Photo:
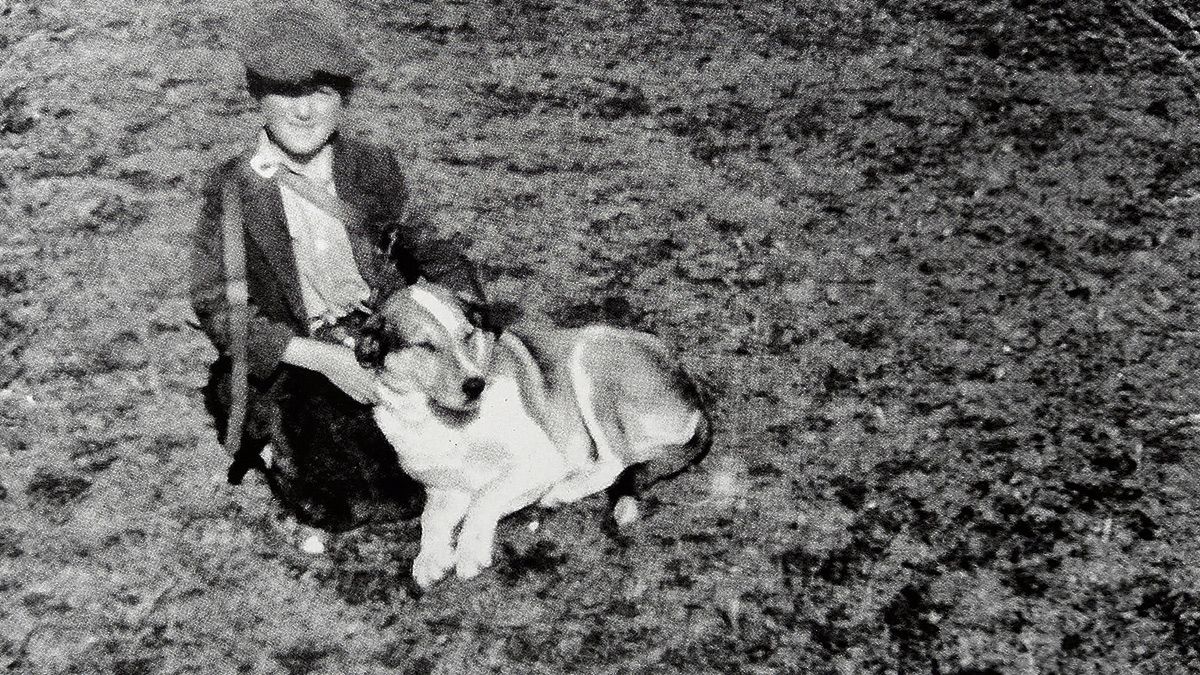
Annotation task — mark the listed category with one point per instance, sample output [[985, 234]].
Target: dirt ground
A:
[[936, 262]]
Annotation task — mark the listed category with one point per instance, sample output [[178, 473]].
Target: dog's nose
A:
[[473, 387]]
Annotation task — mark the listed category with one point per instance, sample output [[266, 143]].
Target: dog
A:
[[493, 419]]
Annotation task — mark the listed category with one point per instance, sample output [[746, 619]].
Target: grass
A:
[[934, 261]]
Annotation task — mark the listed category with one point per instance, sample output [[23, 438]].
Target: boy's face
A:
[[302, 118]]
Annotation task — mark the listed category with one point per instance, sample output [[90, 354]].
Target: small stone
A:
[[626, 510], [727, 481], [313, 545]]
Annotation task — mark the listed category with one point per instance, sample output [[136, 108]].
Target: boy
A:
[[328, 230]]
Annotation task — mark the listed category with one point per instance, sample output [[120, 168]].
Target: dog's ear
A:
[[501, 315], [372, 343], [492, 317], [475, 311]]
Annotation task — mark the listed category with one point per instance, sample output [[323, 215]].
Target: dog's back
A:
[[659, 408]]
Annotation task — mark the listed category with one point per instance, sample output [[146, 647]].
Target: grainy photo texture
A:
[[921, 396]]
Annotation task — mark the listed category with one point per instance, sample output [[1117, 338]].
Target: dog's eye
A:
[[428, 346]]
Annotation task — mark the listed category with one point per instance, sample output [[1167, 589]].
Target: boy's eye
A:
[[303, 89], [293, 90], [428, 346]]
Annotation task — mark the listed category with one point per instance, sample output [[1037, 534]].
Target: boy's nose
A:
[[302, 107]]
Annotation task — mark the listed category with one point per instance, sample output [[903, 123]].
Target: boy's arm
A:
[[414, 243], [266, 339]]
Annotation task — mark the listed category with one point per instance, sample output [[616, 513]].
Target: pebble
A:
[[313, 545], [626, 510]]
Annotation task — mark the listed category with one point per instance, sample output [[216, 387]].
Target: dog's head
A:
[[424, 338]]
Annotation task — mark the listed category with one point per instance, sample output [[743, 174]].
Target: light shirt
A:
[[330, 282]]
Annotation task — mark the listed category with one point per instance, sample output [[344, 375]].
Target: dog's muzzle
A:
[[472, 387]]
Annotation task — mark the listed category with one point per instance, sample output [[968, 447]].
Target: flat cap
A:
[[296, 41]]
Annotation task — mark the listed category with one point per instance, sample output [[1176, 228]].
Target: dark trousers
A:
[[332, 466]]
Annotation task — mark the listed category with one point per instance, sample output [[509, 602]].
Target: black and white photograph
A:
[[555, 337]]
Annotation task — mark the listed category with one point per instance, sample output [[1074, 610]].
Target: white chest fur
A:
[[466, 455]]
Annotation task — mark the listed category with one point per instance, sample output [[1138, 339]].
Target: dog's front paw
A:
[[472, 559], [432, 565]]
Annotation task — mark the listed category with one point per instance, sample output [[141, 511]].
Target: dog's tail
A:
[[635, 480]]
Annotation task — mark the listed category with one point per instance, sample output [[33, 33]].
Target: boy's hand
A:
[[337, 364], [343, 370]]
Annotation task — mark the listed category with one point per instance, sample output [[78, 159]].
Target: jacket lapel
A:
[[362, 240], [266, 226]]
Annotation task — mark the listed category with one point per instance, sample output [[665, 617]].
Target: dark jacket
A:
[[391, 243], [333, 465]]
